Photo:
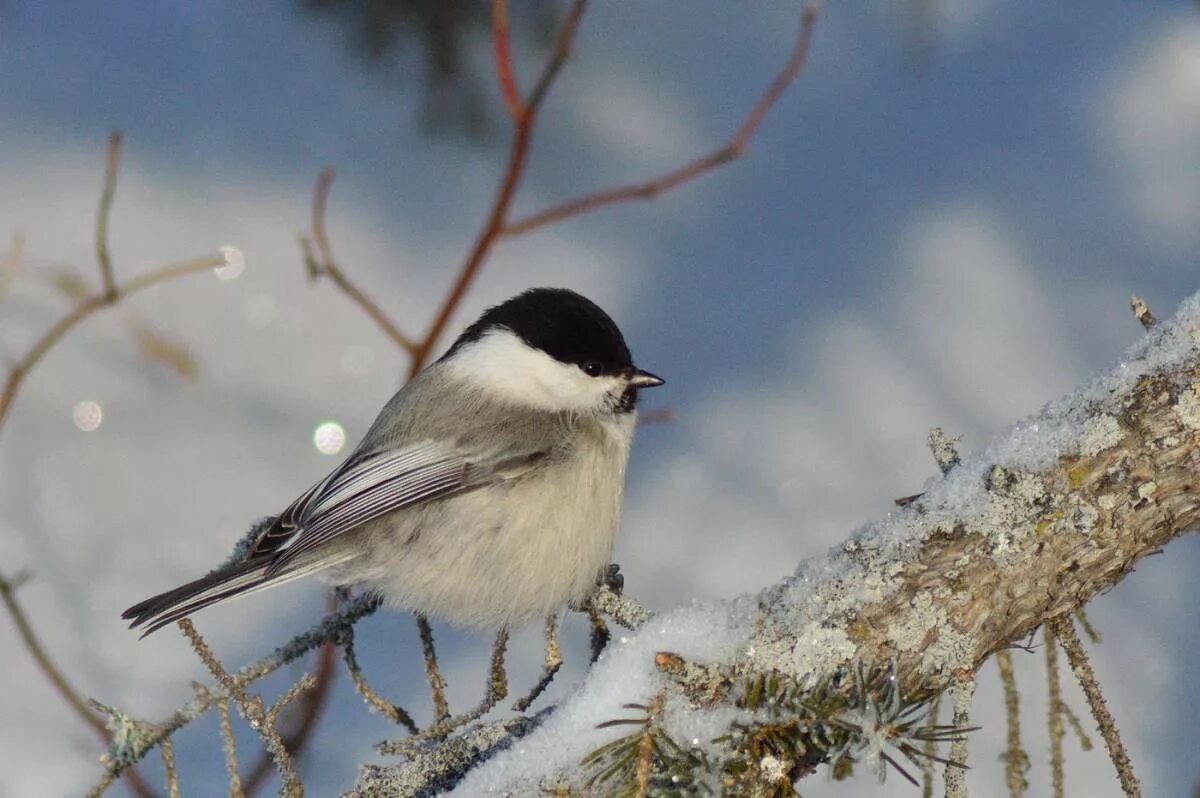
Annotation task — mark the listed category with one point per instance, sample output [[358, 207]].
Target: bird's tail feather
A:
[[241, 579]]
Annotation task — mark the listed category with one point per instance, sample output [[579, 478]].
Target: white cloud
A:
[[1148, 118], [968, 334], [178, 470], [635, 120]]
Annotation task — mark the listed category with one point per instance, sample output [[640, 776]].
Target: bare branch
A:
[[56, 677], [497, 217], [394, 712], [956, 768], [261, 719], [1055, 709], [324, 264], [331, 628], [111, 164], [733, 149], [294, 740], [84, 310], [437, 683], [30, 639], [504, 62], [167, 749], [1078, 658], [229, 744], [620, 608], [550, 667], [1016, 761]]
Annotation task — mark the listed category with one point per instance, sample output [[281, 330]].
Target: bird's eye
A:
[[593, 368]]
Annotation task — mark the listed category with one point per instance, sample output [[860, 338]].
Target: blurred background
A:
[[939, 224]]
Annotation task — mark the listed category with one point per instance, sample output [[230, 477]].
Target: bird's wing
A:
[[373, 483]]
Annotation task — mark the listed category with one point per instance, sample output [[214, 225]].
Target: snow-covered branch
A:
[[1054, 511]]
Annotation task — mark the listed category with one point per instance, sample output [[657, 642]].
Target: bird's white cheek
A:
[[504, 365]]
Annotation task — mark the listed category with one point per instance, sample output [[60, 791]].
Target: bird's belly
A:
[[485, 559]]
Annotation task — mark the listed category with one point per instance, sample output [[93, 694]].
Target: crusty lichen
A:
[[1103, 432], [1188, 408], [926, 630]]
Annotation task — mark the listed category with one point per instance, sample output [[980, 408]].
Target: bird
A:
[[487, 493]]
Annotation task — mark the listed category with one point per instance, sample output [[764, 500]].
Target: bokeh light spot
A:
[[87, 415], [329, 437], [235, 264]]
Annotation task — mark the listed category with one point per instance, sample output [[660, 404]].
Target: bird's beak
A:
[[644, 379]]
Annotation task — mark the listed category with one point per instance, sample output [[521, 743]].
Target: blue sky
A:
[[905, 245]]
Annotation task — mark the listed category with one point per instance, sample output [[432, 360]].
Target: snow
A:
[[995, 488], [713, 632]]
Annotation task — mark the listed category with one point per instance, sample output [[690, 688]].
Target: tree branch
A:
[[1078, 659], [1051, 514], [85, 309], [504, 62], [112, 163], [518, 154], [733, 149], [326, 266]]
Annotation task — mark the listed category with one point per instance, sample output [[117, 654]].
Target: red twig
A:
[[504, 62], [326, 266], [495, 223], [733, 149]]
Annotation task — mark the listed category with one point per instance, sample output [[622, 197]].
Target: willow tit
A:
[[487, 492]]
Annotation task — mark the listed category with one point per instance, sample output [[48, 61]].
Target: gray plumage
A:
[[486, 493]]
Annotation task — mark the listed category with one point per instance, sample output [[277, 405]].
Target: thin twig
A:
[[324, 264], [599, 636], [290, 784], [85, 309], [167, 749], [1055, 720], [295, 739], [330, 628], [497, 691], [622, 609], [1086, 624], [1016, 761], [112, 162], [437, 682], [1085, 742], [1078, 658], [504, 62], [955, 776], [57, 679], [394, 712], [261, 719], [497, 217], [733, 149], [550, 667], [30, 639], [229, 743]]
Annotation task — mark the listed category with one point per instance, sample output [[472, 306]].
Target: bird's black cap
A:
[[563, 324]]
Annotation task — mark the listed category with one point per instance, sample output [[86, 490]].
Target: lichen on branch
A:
[[1056, 510]]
